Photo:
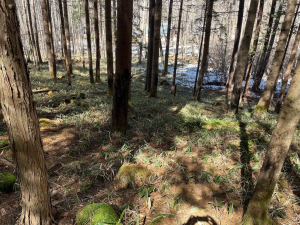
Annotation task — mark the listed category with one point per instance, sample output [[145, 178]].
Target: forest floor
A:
[[202, 162]]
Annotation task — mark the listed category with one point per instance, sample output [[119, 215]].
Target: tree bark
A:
[[36, 34], [243, 56], [264, 101], [98, 53], [109, 50], [235, 46], [22, 122], [257, 211], [88, 37], [210, 5], [123, 65], [66, 21], [168, 37], [157, 24], [173, 89]]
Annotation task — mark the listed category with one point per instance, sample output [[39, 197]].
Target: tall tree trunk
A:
[[173, 89], [168, 37], [235, 46], [156, 40], [210, 5], [88, 37], [123, 65], [264, 101], [243, 56], [257, 211], [98, 54], [64, 40], [269, 41], [49, 40], [66, 21], [254, 46], [109, 50], [150, 45], [115, 20], [36, 34], [200, 50], [22, 122], [288, 72]]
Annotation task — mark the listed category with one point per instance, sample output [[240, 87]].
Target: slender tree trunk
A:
[[66, 21], [288, 72], [269, 41], [161, 57], [49, 40], [123, 65], [168, 37], [22, 122], [243, 56], [98, 54], [264, 101], [36, 34], [115, 20], [254, 46], [109, 49], [200, 50], [282, 136], [156, 40], [64, 41], [235, 46], [89, 44], [150, 45], [173, 89], [210, 5]]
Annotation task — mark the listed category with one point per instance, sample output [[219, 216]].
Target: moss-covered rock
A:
[[7, 181], [81, 95], [131, 174], [4, 143], [80, 103], [44, 122], [97, 213]]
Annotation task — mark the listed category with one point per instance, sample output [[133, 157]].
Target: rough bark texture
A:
[[66, 21], [257, 212], [243, 55], [235, 46], [210, 6], [150, 44], [157, 24], [97, 39], [255, 43], [88, 37], [123, 65], [49, 40], [264, 101], [168, 37], [64, 41], [36, 34], [22, 122], [173, 89], [109, 50]]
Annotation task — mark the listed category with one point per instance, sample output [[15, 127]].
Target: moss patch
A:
[[4, 143], [7, 181], [132, 174], [44, 122]]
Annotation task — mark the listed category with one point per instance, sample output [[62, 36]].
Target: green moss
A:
[[259, 108], [79, 103], [131, 173], [97, 213], [4, 143], [7, 181], [81, 95], [44, 122]]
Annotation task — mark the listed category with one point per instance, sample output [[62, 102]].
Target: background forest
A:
[[149, 112]]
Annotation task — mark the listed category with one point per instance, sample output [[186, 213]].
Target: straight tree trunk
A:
[[243, 56], [173, 89], [49, 40], [36, 33], [64, 41], [150, 45], [156, 40], [88, 37], [98, 54], [109, 49], [66, 21], [22, 122], [257, 211], [254, 46], [288, 72], [269, 41], [264, 101], [235, 46], [123, 65], [115, 20], [210, 6], [168, 37]]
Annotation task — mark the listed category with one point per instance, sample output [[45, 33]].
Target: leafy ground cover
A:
[[201, 161]]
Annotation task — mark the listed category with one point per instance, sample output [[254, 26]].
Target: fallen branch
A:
[[6, 162]]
